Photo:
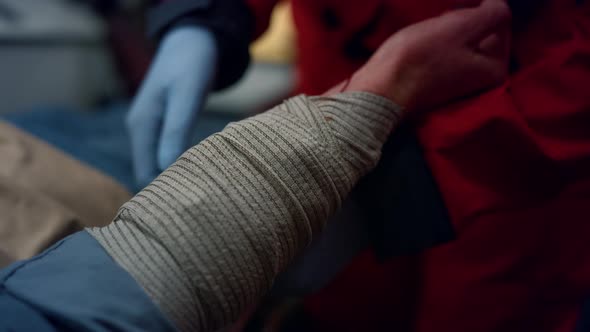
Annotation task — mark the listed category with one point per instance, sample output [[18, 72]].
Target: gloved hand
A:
[[163, 115]]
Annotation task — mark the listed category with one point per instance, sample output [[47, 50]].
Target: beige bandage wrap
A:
[[209, 235]]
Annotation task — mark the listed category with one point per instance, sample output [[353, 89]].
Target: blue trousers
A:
[[75, 286]]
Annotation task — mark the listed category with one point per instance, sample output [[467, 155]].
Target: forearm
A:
[[209, 235]]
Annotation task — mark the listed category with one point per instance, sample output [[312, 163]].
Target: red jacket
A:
[[513, 166]]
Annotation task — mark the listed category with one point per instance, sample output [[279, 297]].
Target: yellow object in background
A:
[[271, 78], [277, 44]]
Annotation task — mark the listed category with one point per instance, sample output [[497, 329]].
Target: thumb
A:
[[184, 102], [496, 45], [186, 94], [480, 22]]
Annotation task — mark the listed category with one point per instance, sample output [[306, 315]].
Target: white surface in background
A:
[[52, 53], [71, 76]]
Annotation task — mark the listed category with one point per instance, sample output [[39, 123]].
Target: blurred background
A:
[[69, 69]]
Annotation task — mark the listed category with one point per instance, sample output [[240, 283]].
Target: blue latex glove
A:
[[163, 115]]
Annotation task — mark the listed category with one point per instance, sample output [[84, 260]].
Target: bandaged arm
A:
[[207, 238]]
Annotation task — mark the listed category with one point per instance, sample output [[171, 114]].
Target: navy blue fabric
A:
[[75, 286], [17, 316]]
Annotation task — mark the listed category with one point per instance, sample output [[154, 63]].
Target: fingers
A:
[[195, 63], [488, 36], [476, 23], [458, 4], [491, 45], [489, 17], [143, 123], [184, 102], [495, 49], [496, 46]]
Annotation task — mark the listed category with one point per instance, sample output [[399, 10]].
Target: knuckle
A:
[[500, 11]]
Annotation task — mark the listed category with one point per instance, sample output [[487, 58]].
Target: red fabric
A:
[[320, 59], [513, 166]]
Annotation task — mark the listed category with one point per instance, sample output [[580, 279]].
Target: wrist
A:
[[387, 82]]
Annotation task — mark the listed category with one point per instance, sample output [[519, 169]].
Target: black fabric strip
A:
[[405, 210]]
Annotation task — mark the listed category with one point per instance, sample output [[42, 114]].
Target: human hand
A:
[[438, 60], [163, 115]]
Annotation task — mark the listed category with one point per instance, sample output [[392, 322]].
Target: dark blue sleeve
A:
[[583, 324], [75, 286]]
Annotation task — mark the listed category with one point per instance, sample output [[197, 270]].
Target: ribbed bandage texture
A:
[[209, 235]]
